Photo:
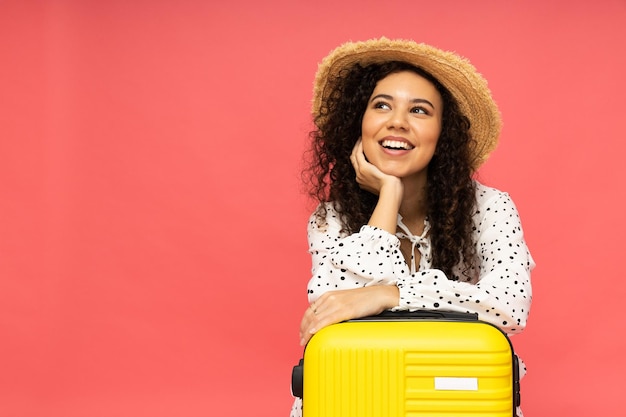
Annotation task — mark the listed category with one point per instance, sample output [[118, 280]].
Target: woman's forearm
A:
[[385, 215]]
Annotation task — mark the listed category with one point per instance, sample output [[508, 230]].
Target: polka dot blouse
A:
[[498, 289]]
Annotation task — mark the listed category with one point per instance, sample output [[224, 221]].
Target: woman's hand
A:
[[389, 189], [368, 176], [336, 306]]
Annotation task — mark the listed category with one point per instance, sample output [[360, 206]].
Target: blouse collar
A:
[[421, 242]]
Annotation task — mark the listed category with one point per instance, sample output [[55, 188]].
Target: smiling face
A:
[[401, 125]]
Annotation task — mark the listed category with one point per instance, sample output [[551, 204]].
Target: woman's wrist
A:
[[391, 296], [385, 215]]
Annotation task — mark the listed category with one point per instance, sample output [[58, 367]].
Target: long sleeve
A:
[[341, 261], [500, 291]]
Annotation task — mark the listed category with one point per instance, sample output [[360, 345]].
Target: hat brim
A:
[[454, 72]]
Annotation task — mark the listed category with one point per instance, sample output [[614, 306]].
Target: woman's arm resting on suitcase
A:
[[352, 274], [503, 293], [336, 306]]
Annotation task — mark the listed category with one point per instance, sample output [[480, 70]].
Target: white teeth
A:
[[396, 144]]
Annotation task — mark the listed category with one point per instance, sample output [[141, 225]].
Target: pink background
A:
[[152, 230]]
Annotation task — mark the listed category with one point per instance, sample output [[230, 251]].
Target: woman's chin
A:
[[402, 173]]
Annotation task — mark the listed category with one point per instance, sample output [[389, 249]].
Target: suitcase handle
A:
[[420, 314], [297, 379]]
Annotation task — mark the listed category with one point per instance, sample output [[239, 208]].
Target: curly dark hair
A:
[[450, 190]]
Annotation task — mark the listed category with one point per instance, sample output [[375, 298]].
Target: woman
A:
[[401, 223]]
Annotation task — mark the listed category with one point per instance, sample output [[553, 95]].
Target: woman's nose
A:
[[398, 119]]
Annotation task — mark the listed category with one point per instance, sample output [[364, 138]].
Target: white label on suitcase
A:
[[456, 384]]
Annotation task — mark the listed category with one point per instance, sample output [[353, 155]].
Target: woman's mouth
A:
[[396, 145]]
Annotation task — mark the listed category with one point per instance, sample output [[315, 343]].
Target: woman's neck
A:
[[414, 205]]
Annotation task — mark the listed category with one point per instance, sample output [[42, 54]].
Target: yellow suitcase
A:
[[426, 363]]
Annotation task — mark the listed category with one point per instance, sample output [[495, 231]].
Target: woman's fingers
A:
[[362, 168], [336, 306], [321, 313], [314, 319], [368, 176]]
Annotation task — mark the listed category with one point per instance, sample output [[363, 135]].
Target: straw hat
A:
[[454, 72]]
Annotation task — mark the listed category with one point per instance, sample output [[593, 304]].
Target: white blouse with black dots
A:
[[498, 288]]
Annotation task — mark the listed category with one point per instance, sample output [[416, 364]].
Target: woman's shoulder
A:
[[325, 216], [484, 193], [324, 210], [492, 200]]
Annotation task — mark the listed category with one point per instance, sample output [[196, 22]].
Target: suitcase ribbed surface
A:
[[408, 369]]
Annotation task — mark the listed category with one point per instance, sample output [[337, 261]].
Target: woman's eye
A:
[[419, 110], [381, 105]]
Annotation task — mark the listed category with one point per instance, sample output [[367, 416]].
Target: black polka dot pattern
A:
[[499, 289], [296, 408]]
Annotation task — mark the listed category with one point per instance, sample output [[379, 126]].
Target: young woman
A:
[[402, 224]]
